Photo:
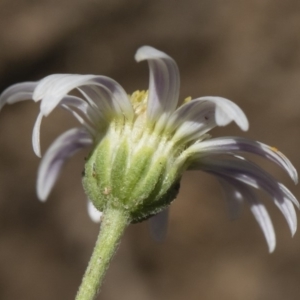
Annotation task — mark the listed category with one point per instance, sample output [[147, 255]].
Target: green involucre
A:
[[137, 175]]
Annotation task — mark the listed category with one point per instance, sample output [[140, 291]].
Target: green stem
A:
[[112, 227]]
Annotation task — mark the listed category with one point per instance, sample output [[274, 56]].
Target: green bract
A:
[[134, 168]]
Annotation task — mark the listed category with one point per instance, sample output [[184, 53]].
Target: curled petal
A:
[[262, 217], [227, 111], [100, 101], [53, 88], [159, 225], [200, 115], [93, 212], [191, 120], [234, 187], [63, 147], [36, 144], [68, 103], [17, 92], [287, 209], [81, 105], [227, 145], [252, 175], [91, 130], [289, 195], [164, 83]]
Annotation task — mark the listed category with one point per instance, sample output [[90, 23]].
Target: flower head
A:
[[142, 143]]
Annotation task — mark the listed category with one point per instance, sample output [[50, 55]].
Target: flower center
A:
[[139, 101], [134, 167]]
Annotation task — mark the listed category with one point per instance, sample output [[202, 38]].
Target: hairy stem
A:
[[112, 227]]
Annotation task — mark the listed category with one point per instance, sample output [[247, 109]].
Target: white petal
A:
[[93, 212], [257, 208], [101, 103], [90, 129], [36, 135], [193, 118], [17, 92], [67, 102], [163, 84], [263, 219], [228, 145], [288, 211], [252, 175], [53, 88], [81, 105], [289, 195], [261, 215], [227, 111], [63, 147], [159, 225]]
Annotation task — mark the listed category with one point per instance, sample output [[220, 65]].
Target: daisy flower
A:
[[142, 143]]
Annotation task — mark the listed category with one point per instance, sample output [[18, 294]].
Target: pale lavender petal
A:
[[257, 208], [227, 111], [63, 147], [100, 100], [67, 102], [36, 144], [287, 209], [163, 84], [81, 105], [252, 175], [17, 92], [262, 217], [93, 212], [237, 144], [200, 115], [192, 119], [159, 225], [289, 195], [53, 88], [90, 129]]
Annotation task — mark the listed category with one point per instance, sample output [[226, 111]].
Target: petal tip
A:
[[245, 125], [42, 196], [294, 230], [141, 53], [148, 52], [94, 214], [272, 248]]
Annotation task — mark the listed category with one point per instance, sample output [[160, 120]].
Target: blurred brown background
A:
[[247, 51]]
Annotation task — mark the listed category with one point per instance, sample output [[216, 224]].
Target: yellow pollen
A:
[[274, 149], [187, 99], [139, 100]]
